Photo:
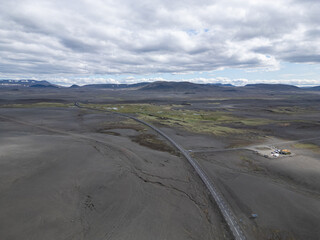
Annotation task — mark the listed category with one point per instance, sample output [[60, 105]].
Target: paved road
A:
[[222, 204]]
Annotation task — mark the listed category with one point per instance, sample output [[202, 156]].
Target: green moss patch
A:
[[199, 121]]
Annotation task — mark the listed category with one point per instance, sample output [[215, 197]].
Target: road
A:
[[219, 199]]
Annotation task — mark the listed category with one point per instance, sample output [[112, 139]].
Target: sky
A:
[[126, 41]]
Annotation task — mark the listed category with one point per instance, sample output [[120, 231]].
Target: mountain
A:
[[161, 86], [25, 83], [272, 87], [115, 86], [39, 85], [176, 86], [316, 88]]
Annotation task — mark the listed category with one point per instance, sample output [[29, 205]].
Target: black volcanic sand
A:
[[68, 173], [62, 179]]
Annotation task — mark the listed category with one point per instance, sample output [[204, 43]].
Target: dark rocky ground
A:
[[61, 178], [68, 173]]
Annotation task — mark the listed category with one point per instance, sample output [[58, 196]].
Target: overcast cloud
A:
[[101, 37]]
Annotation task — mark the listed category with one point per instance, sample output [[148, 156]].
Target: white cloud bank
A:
[[104, 37]]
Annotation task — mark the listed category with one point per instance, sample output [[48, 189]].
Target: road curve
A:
[[222, 204]]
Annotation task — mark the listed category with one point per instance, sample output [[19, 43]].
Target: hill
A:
[[177, 86], [316, 88], [272, 87]]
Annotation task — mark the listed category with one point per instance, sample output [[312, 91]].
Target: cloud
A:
[[104, 37]]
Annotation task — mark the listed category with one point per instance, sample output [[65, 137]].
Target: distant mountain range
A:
[[157, 86], [26, 83]]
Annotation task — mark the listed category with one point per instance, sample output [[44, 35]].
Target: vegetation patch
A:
[[127, 124], [151, 141], [111, 133], [309, 146], [199, 121], [255, 121], [289, 110]]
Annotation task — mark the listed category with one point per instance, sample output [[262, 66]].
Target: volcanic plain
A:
[[80, 173]]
